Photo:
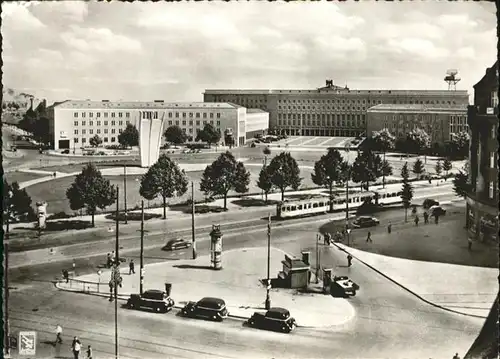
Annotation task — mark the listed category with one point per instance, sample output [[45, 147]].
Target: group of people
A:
[[76, 345]]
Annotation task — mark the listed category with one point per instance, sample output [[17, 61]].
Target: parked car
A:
[[277, 319], [365, 221], [437, 211], [178, 243], [208, 308], [342, 286], [65, 152], [153, 299], [429, 202]]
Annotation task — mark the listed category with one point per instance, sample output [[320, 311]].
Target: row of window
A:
[[98, 123], [373, 102], [98, 131], [184, 122], [191, 114], [104, 140], [323, 123], [98, 114], [343, 108], [328, 117]]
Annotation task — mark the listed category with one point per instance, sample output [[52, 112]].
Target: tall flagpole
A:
[[192, 220], [142, 249], [268, 287], [125, 191]]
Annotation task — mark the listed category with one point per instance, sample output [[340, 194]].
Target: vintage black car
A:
[[429, 202], [342, 286], [177, 243], [207, 308], [277, 319], [153, 299], [363, 222]]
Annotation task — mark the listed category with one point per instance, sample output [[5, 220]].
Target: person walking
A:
[[89, 352], [469, 239], [76, 347], [65, 275], [426, 218], [111, 290], [109, 261], [113, 258], [369, 237], [456, 356], [416, 220], [436, 219], [131, 267], [389, 228], [58, 334], [349, 260]]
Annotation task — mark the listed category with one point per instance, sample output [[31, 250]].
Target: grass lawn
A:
[[54, 192], [19, 177]]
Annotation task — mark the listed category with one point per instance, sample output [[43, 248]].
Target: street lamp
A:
[[268, 283], [6, 246], [348, 176]]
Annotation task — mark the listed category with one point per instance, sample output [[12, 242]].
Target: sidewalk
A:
[[238, 283]]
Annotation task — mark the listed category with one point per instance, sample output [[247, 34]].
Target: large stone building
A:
[[437, 121], [482, 200], [330, 110], [73, 123]]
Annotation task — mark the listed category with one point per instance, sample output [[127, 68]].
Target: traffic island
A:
[[238, 283]]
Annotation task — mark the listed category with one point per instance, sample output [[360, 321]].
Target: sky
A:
[[174, 51]]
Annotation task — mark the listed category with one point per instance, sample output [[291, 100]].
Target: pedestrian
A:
[[89, 352], [349, 260], [416, 220], [109, 261], [131, 267], [55, 174], [426, 218], [110, 291], [389, 228], [58, 334], [65, 274], [113, 257], [436, 219], [369, 237], [76, 346], [456, 356], [469, 239]]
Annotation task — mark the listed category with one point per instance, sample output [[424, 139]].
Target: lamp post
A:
[[6, 247], [117, 272], [141, 275], [125, 191], [193, 209], [347, 195], [268, 286]]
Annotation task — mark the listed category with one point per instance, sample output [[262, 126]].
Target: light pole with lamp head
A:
[[347, 177]]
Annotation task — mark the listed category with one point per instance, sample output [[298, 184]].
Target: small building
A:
[[295, 273]]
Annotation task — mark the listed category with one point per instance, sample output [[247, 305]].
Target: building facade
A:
[[438, 122], [330, 110], [482, 199], [73, 123]]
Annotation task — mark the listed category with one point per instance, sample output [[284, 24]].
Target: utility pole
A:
[[193, 208], [125, 191], [117, 271], [347, 197], [142, 249], [6, 247], [317, 258], [268, 287]]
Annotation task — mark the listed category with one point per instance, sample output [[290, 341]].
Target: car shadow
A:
[[190, 266]]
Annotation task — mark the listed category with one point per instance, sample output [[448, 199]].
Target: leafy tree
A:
[[366, 168], [164, 179], [327, 171], [384, 141], [461, 185], [209, 135], [285, 172], [386, 168], [264, 182], [460, 144], [95, 141], [406, 190], [40, 130], [223, 175], [418, 141], [129, 137], [447, 166], [18, 201], [418, 168], [438, 168], [175, 135], [90, 190], [266, 151]]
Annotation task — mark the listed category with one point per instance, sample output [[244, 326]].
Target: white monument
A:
[[150, 133], [41, 208]]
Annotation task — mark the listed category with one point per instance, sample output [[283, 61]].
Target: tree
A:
[[367, 168], [95, 141], [460, 144], [40, 130], [18, 201], [438, 168], [418, 141], [266, 151], [223, 175], [447, 166], [418, 168], [209, 135], [175, 135], [264, 182], [384, 141], [129, 137], [386, 168], [164, 179], [90, 190], [461, 185], [285, 172], [327, 171], [406, 190]]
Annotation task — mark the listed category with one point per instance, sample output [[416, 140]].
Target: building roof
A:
[[141, 105], [341, 91], [417, 108], [255, 110]]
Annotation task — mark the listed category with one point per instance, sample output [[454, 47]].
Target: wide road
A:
[[389, 322]]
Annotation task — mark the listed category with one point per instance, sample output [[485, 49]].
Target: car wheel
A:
[[184, 313], [131, 305], [251, 322], [157, 309], [285, 329]]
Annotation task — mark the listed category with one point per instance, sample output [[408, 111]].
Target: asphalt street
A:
[[389, 321]]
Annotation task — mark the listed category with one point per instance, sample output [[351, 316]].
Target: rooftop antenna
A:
[[452, 79]]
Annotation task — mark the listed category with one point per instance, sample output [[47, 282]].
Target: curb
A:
[[407, 289]]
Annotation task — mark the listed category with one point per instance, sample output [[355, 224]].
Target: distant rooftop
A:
[[417, 108], [255, 110], [134, 105]]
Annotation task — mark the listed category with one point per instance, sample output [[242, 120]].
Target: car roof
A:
[[279, 310], [153, 291], [217, 301], [175, 240]]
